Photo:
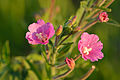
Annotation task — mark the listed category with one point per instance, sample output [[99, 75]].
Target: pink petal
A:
[[40, 22], [33, 27]]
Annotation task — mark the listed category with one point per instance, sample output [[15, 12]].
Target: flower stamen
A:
[[86, 50], [42, 37]]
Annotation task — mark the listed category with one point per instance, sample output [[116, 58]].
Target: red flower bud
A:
[[70, 63], [103, 17]]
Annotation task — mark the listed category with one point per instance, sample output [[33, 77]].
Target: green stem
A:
[[53, 63]]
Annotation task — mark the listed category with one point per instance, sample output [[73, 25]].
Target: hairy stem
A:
[[88, 73]]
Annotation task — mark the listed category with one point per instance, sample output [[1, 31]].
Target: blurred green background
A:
[[16, 15]]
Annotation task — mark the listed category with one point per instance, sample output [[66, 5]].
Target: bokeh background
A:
[[16, 15]]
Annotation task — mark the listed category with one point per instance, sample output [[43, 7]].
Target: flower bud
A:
[[59, 30], [71, 21], [103, 17], [70, 63]]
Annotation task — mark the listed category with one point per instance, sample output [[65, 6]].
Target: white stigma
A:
[[86, 50], [39, 35]]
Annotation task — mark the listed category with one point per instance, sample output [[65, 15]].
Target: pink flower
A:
[[70, 63], [103, 17], [40, 33], [90, 47]]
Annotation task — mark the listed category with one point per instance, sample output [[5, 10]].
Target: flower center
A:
[[42, 37], [86, 50]]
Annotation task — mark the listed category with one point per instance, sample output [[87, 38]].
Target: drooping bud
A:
[[71, 21], [59, 30], [70, 63], [103, 17]]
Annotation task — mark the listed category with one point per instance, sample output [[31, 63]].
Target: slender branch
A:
[[88, 73], [63, 75], [89, 25]]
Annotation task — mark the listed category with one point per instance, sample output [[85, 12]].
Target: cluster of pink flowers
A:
[[89, 46]]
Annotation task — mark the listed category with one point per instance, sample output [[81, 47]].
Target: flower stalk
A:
[[88, 73], [63, 75]]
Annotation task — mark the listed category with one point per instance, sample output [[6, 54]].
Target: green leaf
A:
[[48, 70], [113, 22], [69, 43], [66, 30], [50, 42], [3, 72], [103, 8], [63, 50], [34, 69], [83, 5], [34, 57], [5, 56], [91, 3]]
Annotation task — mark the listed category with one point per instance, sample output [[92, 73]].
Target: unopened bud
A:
[[59, 30], [70, 63], [72, 21], [103, 17]]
